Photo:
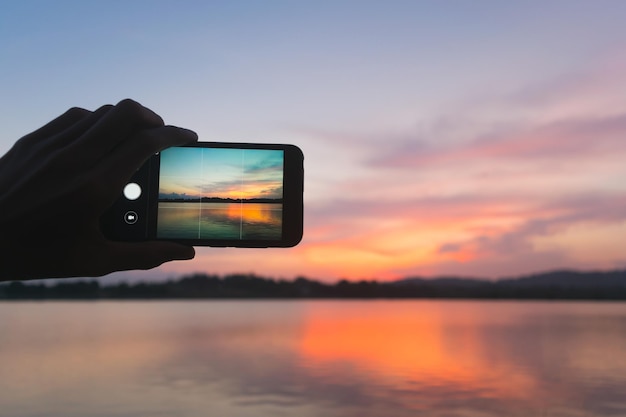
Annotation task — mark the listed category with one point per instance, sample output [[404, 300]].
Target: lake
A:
[[312, 358], [219, 220]]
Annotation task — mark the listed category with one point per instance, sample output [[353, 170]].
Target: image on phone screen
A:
[[220, 193]]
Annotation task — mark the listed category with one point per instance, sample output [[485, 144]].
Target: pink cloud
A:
[[470, 192], [581, 139]]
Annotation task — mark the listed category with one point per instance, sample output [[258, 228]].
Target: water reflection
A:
[[219, 220], [418, 348], [313, 358]]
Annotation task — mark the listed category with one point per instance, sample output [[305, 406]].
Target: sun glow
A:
[[404, 243]]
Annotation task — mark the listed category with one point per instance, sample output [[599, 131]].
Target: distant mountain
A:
[[571, 279], [182, 198], [558, 278], [561, 284], [177, 196]]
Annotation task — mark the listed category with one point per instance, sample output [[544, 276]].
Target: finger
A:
[[96, 257], [122, 256], [127, 158], [146, 143], [67, 119], [120, 122], [73, 132], [29, 143], [51, 154]]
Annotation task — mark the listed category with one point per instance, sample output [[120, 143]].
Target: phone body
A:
[[214, 194]]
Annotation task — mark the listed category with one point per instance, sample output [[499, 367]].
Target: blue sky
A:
[[474, 137]]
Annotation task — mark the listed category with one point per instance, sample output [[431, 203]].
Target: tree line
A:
[[559, 285]]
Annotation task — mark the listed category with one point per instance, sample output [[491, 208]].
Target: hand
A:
[[56, 182]]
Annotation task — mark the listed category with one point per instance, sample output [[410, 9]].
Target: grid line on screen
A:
[[200, 205], [243, 153]]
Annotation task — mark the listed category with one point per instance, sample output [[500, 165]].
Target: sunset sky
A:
[[481, 138], [221, 172]]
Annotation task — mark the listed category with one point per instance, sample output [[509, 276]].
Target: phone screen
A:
[[220, 193]]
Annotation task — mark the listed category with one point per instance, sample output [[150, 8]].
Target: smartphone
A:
[[214, 194]]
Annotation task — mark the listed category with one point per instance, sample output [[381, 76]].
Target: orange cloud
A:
[[500, 186]]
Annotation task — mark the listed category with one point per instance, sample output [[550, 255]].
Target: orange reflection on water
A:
[[406, 347], [266, 213]]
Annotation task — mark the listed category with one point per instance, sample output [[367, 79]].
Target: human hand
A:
[[56, 182]]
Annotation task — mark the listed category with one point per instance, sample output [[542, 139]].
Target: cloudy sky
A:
[[440, 137], [221, 172]]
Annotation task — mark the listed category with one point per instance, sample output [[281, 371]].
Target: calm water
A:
[[219, 220], [319, 358]]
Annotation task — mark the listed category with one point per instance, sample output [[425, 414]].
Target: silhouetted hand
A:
[[56, 182]]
